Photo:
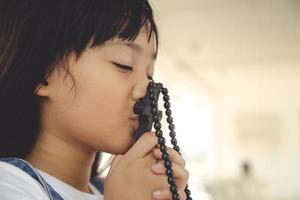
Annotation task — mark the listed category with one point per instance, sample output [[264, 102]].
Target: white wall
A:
[[261, 90], [243, 58], [270, 91]]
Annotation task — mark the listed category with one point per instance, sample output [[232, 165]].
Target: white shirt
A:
[[17, 184]]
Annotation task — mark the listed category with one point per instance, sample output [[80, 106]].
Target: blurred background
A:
[[233, 71]]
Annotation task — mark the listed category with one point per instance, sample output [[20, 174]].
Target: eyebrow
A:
[[139, 49]]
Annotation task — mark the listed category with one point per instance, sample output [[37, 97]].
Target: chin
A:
[[120, 148]]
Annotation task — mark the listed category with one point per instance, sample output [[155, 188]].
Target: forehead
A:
[[141, 44], [142, 39]]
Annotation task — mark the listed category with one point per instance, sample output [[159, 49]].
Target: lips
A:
[[134, 122], [134, 117]]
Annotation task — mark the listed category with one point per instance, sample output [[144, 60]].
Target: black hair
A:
[[35, 37]]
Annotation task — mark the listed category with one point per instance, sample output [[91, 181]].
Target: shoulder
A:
[[16, 184]]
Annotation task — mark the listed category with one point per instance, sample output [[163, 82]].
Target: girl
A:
[[70, 74]]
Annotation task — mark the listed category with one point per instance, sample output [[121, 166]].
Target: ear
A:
[[42, 90]]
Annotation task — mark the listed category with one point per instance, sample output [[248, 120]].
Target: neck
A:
[[62, 159]]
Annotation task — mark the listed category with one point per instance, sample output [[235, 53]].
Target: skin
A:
[[96, 116]]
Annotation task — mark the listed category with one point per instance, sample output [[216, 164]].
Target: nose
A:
[[140, 88]]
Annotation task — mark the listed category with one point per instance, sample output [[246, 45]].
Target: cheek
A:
[[98, 115], [105, 119]]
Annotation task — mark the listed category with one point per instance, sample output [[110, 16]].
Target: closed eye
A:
[[125, 67], [129, 68]]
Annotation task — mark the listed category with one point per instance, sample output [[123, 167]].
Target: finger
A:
[[166, 194], [182, 194], [179, 173], [174, 156], [162, 194], [143, 146]]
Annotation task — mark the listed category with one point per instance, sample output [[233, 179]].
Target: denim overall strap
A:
[[26, 167], [97, 182]]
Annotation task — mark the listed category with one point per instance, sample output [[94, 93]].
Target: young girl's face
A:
[[97, 113]]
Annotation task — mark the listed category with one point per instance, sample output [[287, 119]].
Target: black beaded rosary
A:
[[148, 112]]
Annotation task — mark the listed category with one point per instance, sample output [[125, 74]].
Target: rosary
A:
[[150, 115]]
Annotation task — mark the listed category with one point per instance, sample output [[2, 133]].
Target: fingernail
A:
[[157, 166], [157, 150], [156, 194]]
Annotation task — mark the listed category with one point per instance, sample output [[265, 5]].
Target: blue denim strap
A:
[[26, 167], [97, 182]]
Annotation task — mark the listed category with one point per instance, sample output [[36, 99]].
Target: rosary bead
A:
[[163, 148], [155, 118], [158, 133], [172, 127], [165, 156], [173, 189], [187, 191], [164, 91], [175, 196], [169, 172], [157, 125], [171, 180], [168, 164], [173, 141], [177, 148], [154, 111], [172, 134], [168, 112], [151, 84], [154, 103], [170, 120], [152, 97], [167, 105], [161, 140], [159, 85], [166, 98]]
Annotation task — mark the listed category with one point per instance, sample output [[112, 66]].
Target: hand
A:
[[130, 176], [180, 173]]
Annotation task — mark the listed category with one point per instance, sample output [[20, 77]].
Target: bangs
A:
[[117, 19]]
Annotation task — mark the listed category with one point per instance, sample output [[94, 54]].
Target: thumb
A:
[[143, 146]]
